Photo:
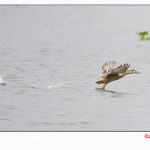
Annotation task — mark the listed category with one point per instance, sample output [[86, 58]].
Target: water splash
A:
[[2, 82], [55, 86]]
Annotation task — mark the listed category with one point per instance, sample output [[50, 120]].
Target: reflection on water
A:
[[70, 44], [113, 93]]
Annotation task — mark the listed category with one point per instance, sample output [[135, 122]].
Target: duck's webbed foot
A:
[[104, 87]]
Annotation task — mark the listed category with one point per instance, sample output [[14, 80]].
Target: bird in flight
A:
[[112, 72]]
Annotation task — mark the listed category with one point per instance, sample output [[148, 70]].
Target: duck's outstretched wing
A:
[[119, 69], [108, 67]]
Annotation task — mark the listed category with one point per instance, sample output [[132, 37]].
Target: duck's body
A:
[[109, 78], [111, 72]]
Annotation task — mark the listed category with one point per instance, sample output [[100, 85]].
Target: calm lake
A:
[[51, 57]]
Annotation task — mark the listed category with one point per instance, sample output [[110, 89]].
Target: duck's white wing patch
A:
[[108, 67]]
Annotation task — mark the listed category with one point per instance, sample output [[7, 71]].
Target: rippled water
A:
[[51, 57]]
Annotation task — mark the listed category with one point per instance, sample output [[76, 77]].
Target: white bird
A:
[[2, 82]]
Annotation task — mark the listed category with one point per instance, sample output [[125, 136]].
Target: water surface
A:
[[51, 57]]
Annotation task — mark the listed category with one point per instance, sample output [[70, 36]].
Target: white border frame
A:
[[74, 2]]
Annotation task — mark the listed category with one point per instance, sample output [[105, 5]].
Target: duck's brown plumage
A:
[[111, 72]]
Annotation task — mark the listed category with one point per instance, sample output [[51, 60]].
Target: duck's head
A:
[[132, 71]]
